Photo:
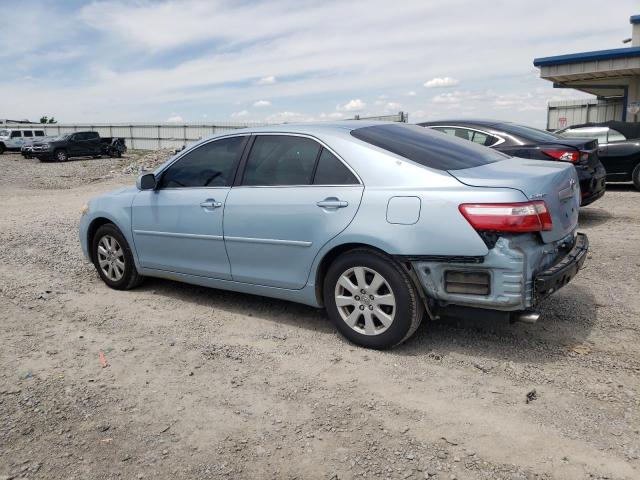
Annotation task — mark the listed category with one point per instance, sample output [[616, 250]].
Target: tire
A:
[[396, 309], [60, 156], [2, 148], [635, 176], [114, 261]]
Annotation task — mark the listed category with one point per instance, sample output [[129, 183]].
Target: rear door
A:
[[178, 226], [91, 144], [295, 195]]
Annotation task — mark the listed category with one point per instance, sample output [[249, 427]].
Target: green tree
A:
[[44, 119], [52, 120]]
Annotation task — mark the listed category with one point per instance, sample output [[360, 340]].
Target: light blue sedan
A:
[[379, 223]]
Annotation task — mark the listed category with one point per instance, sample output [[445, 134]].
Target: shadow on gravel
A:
[[592, 217], [566, 320], [277, 311], [621, 187]]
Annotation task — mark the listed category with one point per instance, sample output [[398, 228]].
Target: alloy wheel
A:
[[111, 258], [365, 300]]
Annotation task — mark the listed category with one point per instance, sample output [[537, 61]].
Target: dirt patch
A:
[[203, 383]]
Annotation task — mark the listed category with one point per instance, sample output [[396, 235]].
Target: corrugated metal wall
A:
[[564, 113], [145, 136]]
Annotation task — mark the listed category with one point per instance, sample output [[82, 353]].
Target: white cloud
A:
[[262, 103], [455, 97], [332, 116], [175, 118], [241, 113], [393, 106], [289, 117], [440, 82], [411, 93], [354, 105], [269, 80]]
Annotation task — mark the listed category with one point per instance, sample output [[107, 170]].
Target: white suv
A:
[[15, 138]]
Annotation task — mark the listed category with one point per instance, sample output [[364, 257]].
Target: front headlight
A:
[[85, 209]]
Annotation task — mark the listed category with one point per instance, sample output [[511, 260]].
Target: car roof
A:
[[466, 121], [628, 129], [312, 128]]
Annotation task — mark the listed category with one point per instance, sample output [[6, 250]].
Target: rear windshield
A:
[[427, 147], [529, 132]]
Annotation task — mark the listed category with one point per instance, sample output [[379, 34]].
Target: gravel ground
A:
[[209, 384]]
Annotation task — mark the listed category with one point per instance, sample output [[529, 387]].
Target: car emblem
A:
[[537, 195]]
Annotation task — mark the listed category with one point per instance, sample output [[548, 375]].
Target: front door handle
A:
[[332, 202], [210, 203]]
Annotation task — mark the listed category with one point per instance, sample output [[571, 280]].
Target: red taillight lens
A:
[[508, 217], [564, 155]]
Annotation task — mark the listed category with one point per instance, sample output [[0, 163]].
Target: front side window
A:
[[599, 133], [16, 134], [331, 171], [615, 136], [28, 133], [427, 148], [210, 165], [39, 133], [4, 133], [281, 160]]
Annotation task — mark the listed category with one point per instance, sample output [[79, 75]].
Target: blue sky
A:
[[292, 60]]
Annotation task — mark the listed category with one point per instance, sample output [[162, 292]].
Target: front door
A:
[[294, 197], [178, 226]]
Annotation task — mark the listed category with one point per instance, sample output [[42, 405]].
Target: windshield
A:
[[427, 147], [529, 132], [4, 133]]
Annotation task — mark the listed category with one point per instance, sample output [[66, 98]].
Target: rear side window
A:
[[331, 171], [281, 160], [91, 135], [27, 133], [427, 148], [210, 165], [474, 136], [39, 133]]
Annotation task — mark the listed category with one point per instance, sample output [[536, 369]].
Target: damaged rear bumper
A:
[[557, 276], [516, 274]]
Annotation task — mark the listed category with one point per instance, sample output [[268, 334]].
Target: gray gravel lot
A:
[[206, 384]]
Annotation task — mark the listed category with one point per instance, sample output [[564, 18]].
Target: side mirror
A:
[[146, 181]]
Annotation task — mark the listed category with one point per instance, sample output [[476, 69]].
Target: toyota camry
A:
[[381, 224]]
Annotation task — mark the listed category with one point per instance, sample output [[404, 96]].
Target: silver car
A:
[[381, 224]]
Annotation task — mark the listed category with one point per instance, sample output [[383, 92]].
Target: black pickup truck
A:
[[76, 144]]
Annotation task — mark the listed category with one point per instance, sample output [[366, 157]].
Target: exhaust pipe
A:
[[526, 317]]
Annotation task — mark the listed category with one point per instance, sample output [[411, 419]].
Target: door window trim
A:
[[500, 139], [243, 163]]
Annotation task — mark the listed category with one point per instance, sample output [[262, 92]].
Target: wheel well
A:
[[91, 232], [328, 259]]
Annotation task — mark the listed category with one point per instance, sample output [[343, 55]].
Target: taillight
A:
[[563, 154], [508, 217]]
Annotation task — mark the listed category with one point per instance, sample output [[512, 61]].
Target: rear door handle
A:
[[332, 203], [210, 203]]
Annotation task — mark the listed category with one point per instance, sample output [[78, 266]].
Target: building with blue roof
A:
[[613, 76]]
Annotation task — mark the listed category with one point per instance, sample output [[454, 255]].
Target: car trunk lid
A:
[[556, 183]]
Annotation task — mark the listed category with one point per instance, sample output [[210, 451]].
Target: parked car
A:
[[13, 139], [27, 147], [526, 142], [64, 147], [376, 222], [113, 146], [619, 147]]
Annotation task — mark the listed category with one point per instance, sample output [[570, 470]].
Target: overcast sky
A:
[[292, 60]]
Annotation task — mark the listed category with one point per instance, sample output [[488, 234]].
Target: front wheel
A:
[[635, 176], [371, 300], [113, 258], [2, 148], [61, 156]]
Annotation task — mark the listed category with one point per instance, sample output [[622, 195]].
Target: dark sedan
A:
[[619, 147], [526, 142]]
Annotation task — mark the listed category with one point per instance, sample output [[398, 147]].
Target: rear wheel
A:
[[371, 300], [60, 156], [635, 176], [113, 258], [2, 148]]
